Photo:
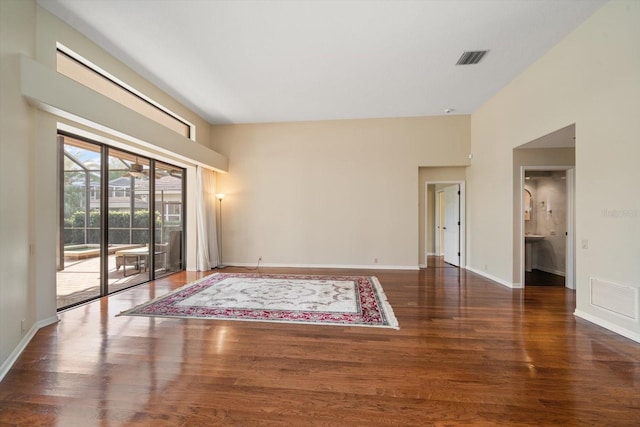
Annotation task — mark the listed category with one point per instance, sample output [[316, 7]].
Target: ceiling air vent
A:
[[471, 57]]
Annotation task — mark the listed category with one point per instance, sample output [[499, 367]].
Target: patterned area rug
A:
[[325, 300]]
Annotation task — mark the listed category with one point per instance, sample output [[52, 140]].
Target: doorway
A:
[[444, 222], [547, 214], [451, 227], [553, 153]]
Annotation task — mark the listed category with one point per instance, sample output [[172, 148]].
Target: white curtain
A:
[[207, 239]]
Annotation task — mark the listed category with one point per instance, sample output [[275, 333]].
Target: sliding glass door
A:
[[128, 213], [121, 220], [169, 219], [79, 238]]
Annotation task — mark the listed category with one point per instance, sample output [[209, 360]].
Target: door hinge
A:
[[458, 253], [458, 192], [458, 223]]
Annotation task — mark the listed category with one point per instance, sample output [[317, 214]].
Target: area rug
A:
[[323, 300]]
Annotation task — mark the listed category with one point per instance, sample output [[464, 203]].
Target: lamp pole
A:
[[220, 196]]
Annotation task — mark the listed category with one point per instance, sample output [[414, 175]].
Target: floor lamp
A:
[[220, 196]]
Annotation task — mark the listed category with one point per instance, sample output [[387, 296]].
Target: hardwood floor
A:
[[542, 278], [469, 352]]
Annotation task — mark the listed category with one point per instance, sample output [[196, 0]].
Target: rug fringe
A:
[[391, 317]]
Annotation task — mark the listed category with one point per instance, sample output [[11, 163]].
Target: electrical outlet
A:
[[22, 329], [585, 244], [260, 258], [553, 233], [375, 260]]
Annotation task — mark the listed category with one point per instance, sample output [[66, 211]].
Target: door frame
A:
[[570, 250], [463, 220]]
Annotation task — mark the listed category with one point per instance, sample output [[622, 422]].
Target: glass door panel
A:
[[128, 221], [121, 220], [79, 238], [169, 212]]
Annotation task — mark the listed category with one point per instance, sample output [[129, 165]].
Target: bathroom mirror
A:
[[528, 205]]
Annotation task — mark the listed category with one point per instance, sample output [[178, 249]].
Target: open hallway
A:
[[468, 352]]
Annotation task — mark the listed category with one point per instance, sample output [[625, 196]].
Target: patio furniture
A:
[[139, 258]]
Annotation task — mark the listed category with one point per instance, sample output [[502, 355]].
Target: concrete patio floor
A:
[[80, 279]]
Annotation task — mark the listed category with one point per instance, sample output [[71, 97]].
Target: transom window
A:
[[82, 71]]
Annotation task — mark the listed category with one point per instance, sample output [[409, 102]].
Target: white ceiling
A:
[[269, 61]]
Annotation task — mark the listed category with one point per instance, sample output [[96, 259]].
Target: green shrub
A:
[[121, 228]]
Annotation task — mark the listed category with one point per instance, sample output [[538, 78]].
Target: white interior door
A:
[[440, 224], [452, 224]]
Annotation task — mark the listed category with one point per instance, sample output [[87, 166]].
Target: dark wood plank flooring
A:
[[542, 278], [469, 352]]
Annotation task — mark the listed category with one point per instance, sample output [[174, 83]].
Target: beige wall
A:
[[427, 210], [28, 36], [590, 79], [341, 193], [17, 36]]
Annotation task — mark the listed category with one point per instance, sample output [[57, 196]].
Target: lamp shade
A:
[[220, 196]]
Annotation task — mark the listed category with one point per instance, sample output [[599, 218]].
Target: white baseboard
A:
[[495, 279], [608, 325], [6, 366], [359, 267], [549, 270]]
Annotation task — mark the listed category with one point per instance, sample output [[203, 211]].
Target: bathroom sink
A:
[[530, 238]]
